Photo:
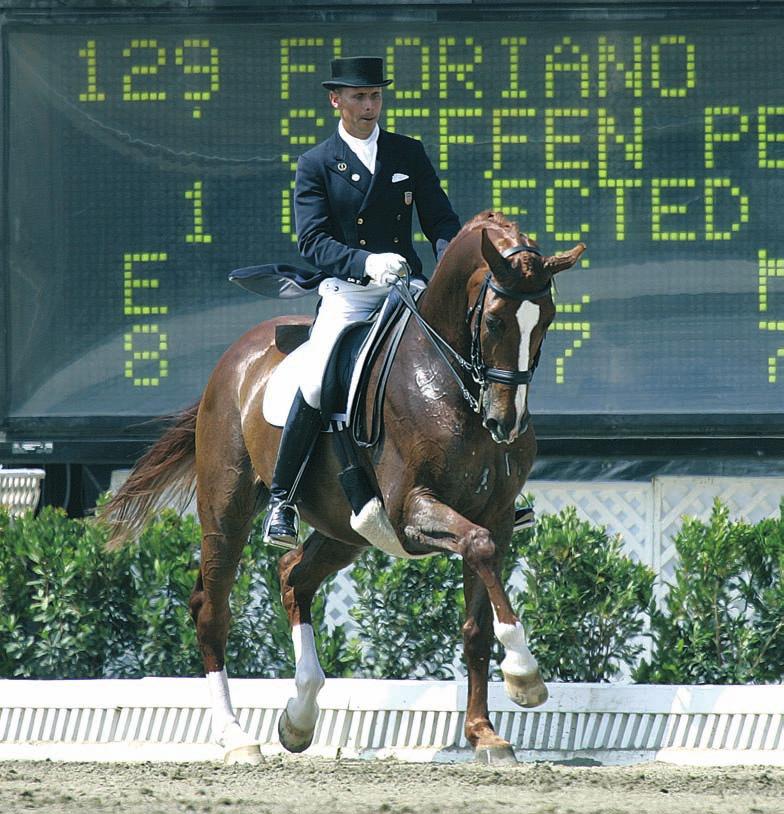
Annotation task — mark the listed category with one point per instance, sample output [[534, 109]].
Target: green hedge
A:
[[69, 609], [723, 617], [584, 599]]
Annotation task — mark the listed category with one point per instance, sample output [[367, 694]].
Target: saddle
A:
[[347, 372]]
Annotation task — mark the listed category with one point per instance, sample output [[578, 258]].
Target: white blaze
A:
[[527, 320]]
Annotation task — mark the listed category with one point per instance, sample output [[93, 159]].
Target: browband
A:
[[507, 253], [513, 295]]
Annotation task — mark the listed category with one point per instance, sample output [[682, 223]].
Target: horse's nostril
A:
[[498, 429]]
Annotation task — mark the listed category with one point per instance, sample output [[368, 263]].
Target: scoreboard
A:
[[146, 158]]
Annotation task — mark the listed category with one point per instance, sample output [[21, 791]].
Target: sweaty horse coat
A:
[[452, 460]]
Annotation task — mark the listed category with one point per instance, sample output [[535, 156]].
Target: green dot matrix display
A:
[[146, 161]]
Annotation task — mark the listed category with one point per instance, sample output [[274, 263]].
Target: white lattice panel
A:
[[624, 508], [340, 600], [752, 499]]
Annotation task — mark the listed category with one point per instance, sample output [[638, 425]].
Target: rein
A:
[[480, 373]]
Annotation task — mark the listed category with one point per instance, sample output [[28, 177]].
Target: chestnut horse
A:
[[453, 457]]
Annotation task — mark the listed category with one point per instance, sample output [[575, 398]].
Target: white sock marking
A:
[[519, 659], [309, 678], [225, 728]]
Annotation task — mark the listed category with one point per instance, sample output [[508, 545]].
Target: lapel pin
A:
[[355, 176], [408, 197], [342, 166]]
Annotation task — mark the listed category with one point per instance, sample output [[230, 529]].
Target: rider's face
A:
[[359, 109]]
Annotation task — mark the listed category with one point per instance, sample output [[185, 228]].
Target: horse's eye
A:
[[495, 325]]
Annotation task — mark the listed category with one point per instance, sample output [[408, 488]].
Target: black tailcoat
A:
[[343, 213]]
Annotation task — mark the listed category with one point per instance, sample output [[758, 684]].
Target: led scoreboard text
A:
[[166, 157]]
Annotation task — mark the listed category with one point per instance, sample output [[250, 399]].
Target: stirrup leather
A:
[[281, 525]]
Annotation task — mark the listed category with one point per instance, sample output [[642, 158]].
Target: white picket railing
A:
[[168, 719]]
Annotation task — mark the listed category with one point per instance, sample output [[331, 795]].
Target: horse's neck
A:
[[444, 305]]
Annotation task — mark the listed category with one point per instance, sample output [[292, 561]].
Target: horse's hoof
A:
[[526, 690], [248, 755], [291, 738], [495, 755]]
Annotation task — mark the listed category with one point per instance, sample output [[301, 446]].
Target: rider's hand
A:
[[386, 267]]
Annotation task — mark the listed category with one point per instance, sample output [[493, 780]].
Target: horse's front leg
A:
[[301, 572], [477, 642], [433, 524]]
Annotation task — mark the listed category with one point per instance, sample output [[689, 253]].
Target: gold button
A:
[[396, 240], [360, 221], [362, 242]]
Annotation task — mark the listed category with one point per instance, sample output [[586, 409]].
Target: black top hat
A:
[[357, 72]]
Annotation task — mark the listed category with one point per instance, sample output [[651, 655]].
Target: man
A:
[[353, 200]]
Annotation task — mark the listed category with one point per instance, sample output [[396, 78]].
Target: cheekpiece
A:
[[357, 72]]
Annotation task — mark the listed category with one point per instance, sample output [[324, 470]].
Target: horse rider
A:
[[353, 199]]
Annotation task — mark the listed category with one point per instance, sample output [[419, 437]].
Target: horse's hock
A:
[[20, 489]]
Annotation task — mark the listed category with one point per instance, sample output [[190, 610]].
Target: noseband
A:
[[481, 373]]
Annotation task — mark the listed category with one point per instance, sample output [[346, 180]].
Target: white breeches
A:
[[342, 303]]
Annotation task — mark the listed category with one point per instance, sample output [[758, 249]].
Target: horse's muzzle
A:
[[505, 426], [501, 432]]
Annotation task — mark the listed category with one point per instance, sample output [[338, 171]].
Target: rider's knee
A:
[[311, 392]]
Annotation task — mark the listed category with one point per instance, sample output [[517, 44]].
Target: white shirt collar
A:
[[364, 149]]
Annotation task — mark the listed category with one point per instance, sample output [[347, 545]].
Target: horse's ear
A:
[[497, 264], [561, 262]]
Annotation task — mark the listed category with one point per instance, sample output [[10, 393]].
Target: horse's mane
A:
[[492, 218], [487, 219]]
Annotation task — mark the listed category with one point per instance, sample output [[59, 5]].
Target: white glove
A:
[[385, 268]]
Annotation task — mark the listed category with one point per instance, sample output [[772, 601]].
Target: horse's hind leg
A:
[[301, 572], [227, 498]]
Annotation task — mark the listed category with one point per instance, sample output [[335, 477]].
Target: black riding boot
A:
[[302, 428]]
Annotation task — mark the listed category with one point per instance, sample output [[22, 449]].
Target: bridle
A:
[[475, 366]]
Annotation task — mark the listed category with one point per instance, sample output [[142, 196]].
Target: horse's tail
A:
[[165, 474]]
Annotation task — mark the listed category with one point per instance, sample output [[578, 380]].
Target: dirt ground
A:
[[301, 785]]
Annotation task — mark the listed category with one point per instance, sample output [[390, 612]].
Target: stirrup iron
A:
[[281, 525]]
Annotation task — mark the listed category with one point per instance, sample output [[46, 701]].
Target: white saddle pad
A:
[[283, 386]]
